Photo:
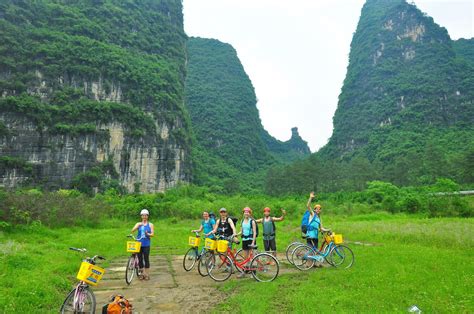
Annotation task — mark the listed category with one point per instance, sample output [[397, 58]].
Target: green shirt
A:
[[268, 230]]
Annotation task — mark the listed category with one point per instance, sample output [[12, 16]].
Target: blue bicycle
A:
[[338, 255], [193, 255]]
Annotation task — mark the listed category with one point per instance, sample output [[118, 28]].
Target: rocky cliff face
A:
[[78, 90], [403, 76], [148, 164]]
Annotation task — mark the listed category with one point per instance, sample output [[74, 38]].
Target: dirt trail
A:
[[170, 289]]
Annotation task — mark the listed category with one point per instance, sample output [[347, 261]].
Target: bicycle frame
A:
[[322, 254], [80, 296], [240, 265], [135, 260]]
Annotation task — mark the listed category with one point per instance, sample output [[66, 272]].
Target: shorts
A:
[[245, 244], [270, 245]]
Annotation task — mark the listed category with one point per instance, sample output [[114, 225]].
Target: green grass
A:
[[415, 260], [426, 262]]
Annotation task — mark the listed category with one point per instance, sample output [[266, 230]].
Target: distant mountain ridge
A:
[[222, 104], [406, 108]]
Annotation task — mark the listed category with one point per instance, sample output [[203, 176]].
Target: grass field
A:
[[410, 261]]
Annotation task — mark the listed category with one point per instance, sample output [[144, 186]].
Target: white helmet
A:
[[145, 212]]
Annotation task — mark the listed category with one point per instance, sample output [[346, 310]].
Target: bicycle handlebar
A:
[[99, 257], [196, 233], [83, 250], [131, 236]]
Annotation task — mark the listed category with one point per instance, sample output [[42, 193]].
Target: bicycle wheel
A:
[[190, 259], [130, 270], [289, 250], [301, 257], [85, 301], [220, 267], [264, 267], [204, 260], [341, 256]]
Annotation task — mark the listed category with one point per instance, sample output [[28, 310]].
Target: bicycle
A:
[[193, 255], [81, 299], [293, 245], [264, 267], [133, 265], [304, 256]]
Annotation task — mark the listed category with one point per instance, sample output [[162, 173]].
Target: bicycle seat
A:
[[253, 246]]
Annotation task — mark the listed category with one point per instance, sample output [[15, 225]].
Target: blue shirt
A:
[[142, 237], [208, 226], [247, 230], [313, 227]]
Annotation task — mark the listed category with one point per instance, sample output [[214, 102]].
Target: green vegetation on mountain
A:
[[233, 150], [465, 49], [405, 112], [69, 66]]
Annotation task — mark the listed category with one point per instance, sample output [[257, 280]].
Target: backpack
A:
[[118, 305], [234, 220], [305, 222], [251, 229], [212, 216]]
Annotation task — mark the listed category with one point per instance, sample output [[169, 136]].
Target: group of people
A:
[[226, 227]]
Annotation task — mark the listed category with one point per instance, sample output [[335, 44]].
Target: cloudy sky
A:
[[296, 52]]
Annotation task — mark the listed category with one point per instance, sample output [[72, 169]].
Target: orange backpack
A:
[[118, 305]]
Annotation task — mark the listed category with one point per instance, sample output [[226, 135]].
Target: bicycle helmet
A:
[[266, 209], [247, 209], [145, 212]]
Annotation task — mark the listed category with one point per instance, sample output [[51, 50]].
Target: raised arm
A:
[[259, 221], [311, 197], [282, 217]]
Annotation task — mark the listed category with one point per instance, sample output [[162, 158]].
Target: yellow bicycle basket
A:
[[194, 242], [133, 246], [222, 246], [337, 238], [90, 274], [210, 244]]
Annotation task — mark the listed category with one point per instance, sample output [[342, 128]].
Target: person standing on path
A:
[[268, 223], [146, 230], [224, 226], [314, 224]]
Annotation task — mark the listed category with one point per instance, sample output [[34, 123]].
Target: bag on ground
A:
[[118, 305]]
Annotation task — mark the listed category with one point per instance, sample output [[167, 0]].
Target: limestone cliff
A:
[[85, 83]]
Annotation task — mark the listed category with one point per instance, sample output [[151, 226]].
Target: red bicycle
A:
[[264, 267]]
